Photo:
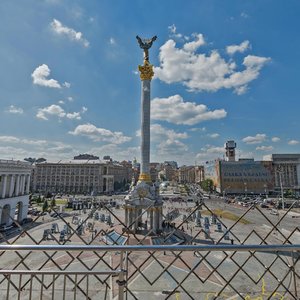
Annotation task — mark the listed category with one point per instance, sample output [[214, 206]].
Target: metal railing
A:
[[19, 286], [36, 262]]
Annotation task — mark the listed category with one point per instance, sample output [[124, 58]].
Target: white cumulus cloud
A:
[[100, 134], [194, 129], [40, 77], [257, 139], [74, 115], [213, 135], [275, 139], [194, 45], [58, 111], [54, 110], [9, 139], [160, 133], [171, 148], [12, 139], [293, 142], [205, 72], [67, 84], [238, 48], [112, 41], [264, 148], [173, 32], [73, 35], [167, 141], [174, 110], [15, 110], [19, 148], [210, 152]]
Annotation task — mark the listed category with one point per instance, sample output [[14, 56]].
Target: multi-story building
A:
[[128, 169], [14, 190], [121, 174], [186, 174], [199, 174], [154, 169], [171, 163], [244, 176], [78, 176], [286, 171], [169, 171]]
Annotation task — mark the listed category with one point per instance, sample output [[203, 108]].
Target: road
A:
[[254, 215]]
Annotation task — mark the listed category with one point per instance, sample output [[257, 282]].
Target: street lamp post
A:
[[265, 186], [282, 197], [279, 171], [224, 191], [245, 184]]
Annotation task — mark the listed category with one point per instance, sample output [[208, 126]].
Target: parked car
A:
[[274, 212], [26, 220], [5, 227]]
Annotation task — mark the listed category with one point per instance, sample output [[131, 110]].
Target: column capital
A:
[[146, 71], [145, 177]]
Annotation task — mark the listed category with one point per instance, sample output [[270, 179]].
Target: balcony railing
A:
[[230, 252], [114, 278]]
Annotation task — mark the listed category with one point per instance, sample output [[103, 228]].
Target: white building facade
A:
[[14, 190], [286, 171], [77, 176]]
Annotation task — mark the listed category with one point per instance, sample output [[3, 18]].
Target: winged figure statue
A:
[[146, 44]]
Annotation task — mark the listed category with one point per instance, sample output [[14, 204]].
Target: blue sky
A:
[[223, 70]]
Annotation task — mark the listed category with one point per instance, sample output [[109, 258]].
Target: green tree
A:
[[207, 185], [53, 203], [39, 199], [48, 195], [45, 205]]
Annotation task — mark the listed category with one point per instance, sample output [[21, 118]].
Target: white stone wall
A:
[[14, 190], [12, 203]]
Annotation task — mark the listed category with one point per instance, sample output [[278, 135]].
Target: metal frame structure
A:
[[121, 272], [116, 269]]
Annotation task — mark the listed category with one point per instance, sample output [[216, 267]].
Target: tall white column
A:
[[22, 184], [155, 221], [17, 189], [140, 212], [12, 185], [126, 216], [130, 218], [145, 126], [136, 218], [160, 218], [151, 218], [146, 74], [4, 178], [27, 184]]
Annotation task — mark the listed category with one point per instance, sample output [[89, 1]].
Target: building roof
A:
[[13, 165], [283, 156], [14, 162], [80, 162]]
